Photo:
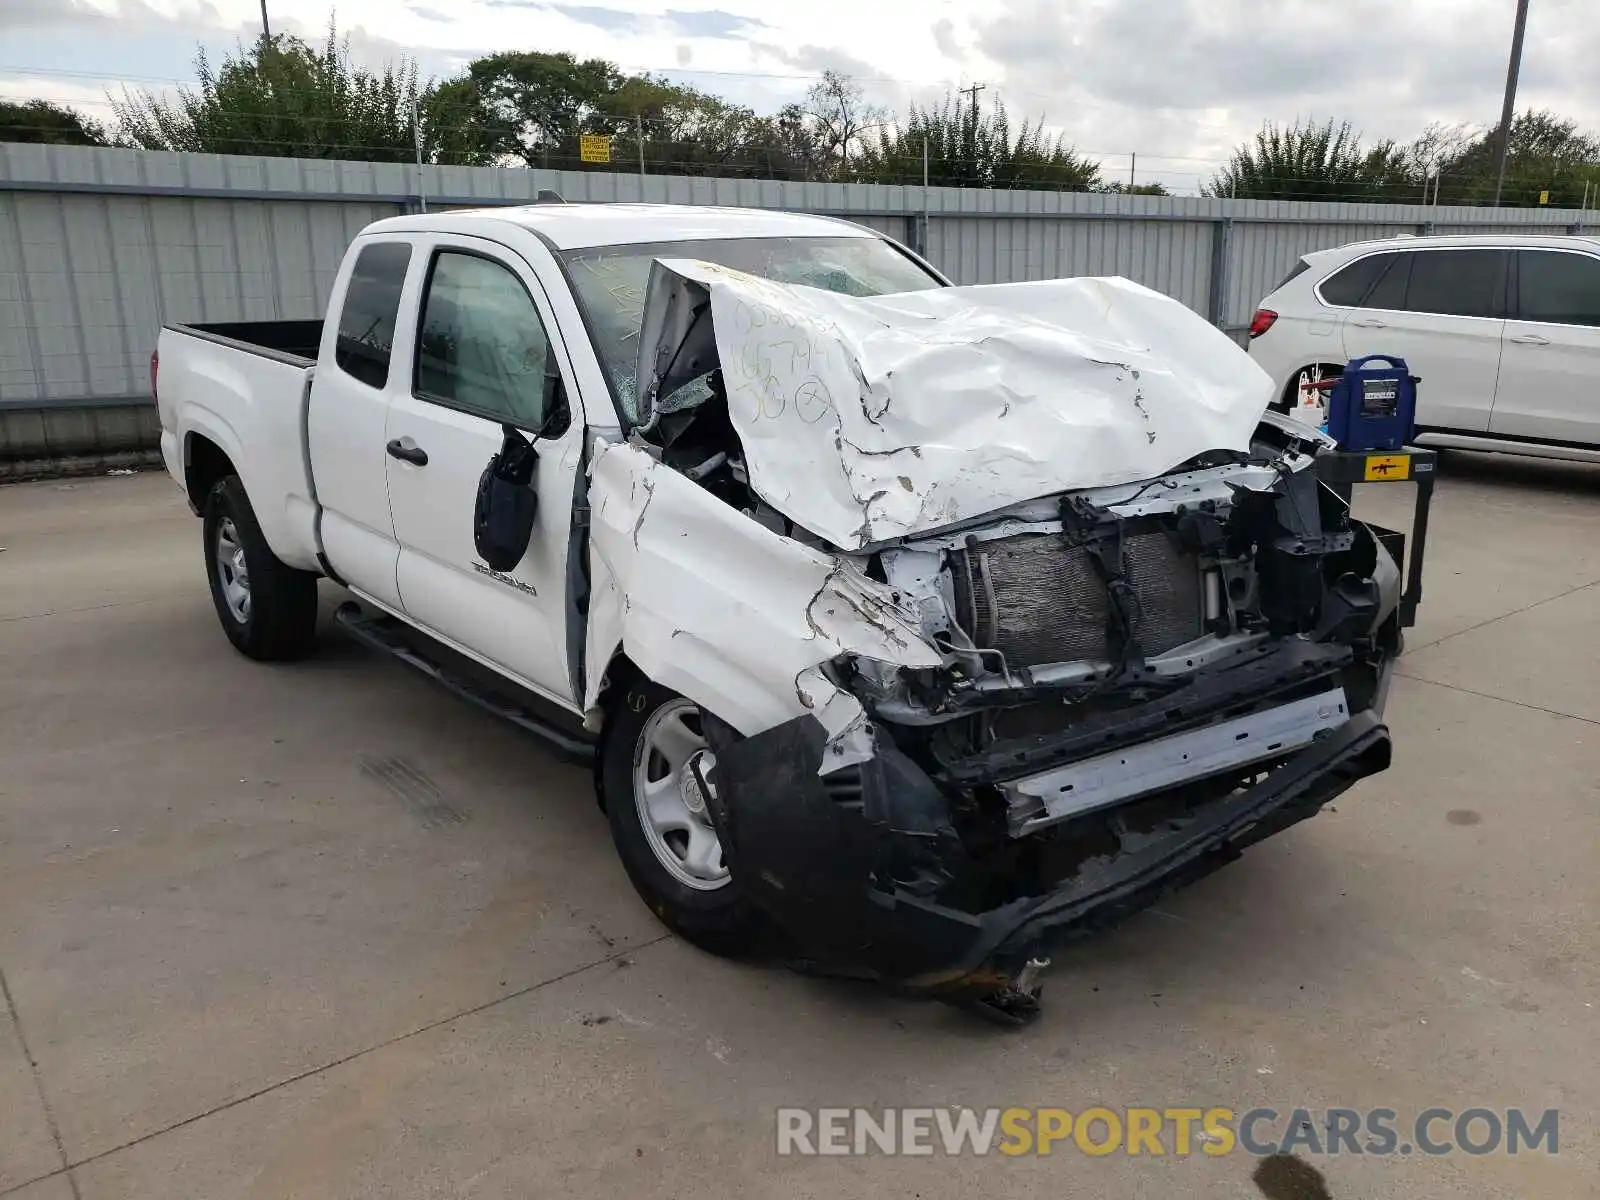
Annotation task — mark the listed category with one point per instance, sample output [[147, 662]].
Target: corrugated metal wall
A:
[[86, 280], [99, 247], [1170, 256]]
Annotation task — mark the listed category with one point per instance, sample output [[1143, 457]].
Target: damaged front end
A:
[[1132, 689], [947, 739]]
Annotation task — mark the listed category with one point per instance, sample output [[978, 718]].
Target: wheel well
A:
[[620, 673], [1286, 397], [204, 464]]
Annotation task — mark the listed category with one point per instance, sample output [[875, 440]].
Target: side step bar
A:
[[384, 634]]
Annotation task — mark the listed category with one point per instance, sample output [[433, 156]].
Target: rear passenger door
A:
[[1550, 368], [1442, 310], [485, 339]]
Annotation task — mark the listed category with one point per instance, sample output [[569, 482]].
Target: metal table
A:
[[1341, 470]]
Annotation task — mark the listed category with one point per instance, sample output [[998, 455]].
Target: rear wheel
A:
[[653, 762], [267, 608]]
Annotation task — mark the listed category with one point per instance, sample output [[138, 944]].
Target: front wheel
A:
[[653, 764], [267, 608]]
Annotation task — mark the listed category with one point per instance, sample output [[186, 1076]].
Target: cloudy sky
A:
[[1178, 81]]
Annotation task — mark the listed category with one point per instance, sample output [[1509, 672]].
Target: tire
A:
[[277, 617], [715, 917]]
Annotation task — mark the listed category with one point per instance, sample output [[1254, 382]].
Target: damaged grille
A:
[[1037, 599]]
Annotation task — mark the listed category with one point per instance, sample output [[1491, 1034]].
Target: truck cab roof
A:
[[574, 226]]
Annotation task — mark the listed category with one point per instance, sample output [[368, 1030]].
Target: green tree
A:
[[1315, 162], [535, 105], [1139, 189], [972, 149], [42, 121], [459, 128], [282, 97], [1548, 153]]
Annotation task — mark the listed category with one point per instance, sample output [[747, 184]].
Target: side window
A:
[[371, 305], [481, 345], [1563, 289], [1349, 286], [1389, 292], [1295, 272], [1458, 283]]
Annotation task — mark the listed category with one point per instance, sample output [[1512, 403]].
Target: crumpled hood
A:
[[869, 419]]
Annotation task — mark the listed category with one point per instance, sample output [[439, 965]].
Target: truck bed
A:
[[290, 341], [244, 387]]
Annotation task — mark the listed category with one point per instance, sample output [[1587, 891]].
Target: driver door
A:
[[484, 339]]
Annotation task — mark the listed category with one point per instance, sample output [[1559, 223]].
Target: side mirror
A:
[[502, 519]]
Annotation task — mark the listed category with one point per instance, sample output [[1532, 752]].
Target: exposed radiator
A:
[[1037, 599]]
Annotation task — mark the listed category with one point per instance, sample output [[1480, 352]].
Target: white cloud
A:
[[1179, 81]]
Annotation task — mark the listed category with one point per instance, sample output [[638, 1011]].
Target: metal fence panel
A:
[[1262, 254], [98, 247]]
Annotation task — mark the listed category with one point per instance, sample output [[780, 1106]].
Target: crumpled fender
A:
[[712, 604]]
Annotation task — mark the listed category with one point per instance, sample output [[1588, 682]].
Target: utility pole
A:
[[638, 124], [972, 92], [1511, 98], [1133, 161], [266, 30], [922, 230], [416, 131]]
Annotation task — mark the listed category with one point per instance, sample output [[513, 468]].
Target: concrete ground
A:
[[323, 930]]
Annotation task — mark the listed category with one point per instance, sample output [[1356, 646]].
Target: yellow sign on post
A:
[[594, 148], [1544, 197]]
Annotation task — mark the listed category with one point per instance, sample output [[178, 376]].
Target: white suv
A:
[[1503, 330]]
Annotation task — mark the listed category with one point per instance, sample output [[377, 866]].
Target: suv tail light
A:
[[155, 370], [1262, 321]]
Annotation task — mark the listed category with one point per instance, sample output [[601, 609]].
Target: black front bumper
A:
[[857, 868]]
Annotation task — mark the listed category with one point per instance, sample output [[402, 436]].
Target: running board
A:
[[384, 634]]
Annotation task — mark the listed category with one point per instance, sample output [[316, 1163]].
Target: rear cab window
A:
[[365, 338]]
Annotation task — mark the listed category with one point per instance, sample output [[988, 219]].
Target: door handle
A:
[[408, 451], [1530, 339], [1370, 323]]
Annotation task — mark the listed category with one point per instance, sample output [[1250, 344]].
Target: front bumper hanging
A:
[[866, 872]]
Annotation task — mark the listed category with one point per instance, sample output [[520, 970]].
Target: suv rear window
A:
[[371, 305], [1349, 286]]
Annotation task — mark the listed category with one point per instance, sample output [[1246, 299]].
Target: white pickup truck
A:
[[910, 627]]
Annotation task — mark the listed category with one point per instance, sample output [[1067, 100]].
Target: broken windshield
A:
[[610, 283]]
